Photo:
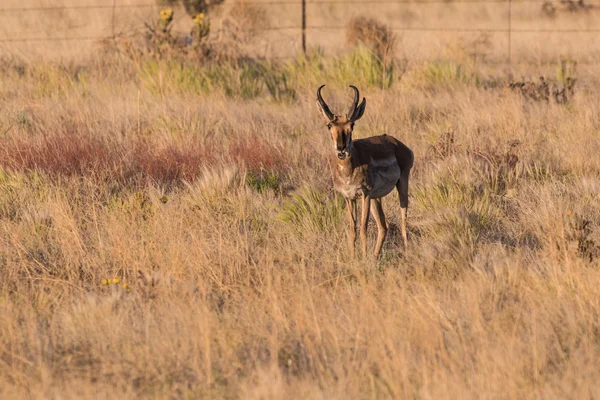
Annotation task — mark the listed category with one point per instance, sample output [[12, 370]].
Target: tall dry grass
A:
[[214, 211]]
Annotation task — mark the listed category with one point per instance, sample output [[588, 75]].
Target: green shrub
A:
[[311, 210], [445, 73], [263, 180], [249, 79]]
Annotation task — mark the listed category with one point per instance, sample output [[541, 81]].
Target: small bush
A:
[[245, 22], [380, 40], [262, 180], [373, 34]]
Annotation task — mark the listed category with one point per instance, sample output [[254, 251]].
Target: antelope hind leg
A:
[[379, 217], [402, 187]]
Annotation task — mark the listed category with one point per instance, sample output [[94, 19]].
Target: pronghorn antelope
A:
[[367, 168]]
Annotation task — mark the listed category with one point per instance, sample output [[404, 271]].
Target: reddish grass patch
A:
[[257, 155], [168, 165], [74, 155], [59, 155]]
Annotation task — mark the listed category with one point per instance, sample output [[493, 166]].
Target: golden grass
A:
[[218, 214]]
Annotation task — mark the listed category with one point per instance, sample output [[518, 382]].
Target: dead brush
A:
[[495, 158], [148, 284], [245, 22], [499, 164], [373, 34], [536, 91], [444, 147], [551, 8], [243, 25], [544, 90], [580, 230]]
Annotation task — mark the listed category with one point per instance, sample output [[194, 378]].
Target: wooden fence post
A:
[[509, 32], [304, 26]]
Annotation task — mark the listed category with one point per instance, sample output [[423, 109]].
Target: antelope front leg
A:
[[351, 206], [364, 220], [382, 229]]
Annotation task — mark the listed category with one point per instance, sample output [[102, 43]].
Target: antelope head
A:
[[341, 126]]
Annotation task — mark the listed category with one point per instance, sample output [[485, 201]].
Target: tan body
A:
[[367, 169]]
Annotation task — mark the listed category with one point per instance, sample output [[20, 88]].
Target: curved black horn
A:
[[354, 103], [323, 105]]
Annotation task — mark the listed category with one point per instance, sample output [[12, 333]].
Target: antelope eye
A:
[[328, 126]]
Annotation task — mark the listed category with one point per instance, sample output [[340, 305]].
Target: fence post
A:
[[112, 18], [304, 26], [509, 31]]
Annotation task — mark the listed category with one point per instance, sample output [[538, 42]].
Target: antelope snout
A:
[[342, 151]]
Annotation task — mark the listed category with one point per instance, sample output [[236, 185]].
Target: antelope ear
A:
[[360, 110]]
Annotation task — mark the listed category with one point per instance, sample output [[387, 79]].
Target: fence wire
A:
[[304, 3]]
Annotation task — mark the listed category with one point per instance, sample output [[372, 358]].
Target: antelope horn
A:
[[354, 103], [323, 105]]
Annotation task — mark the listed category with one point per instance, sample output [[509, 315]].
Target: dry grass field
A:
[[170, 230]]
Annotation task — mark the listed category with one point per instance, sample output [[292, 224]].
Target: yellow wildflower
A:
[[116, 280], [201, 27], [126, 287], [199, 18], [106, 282], [166, 14]]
